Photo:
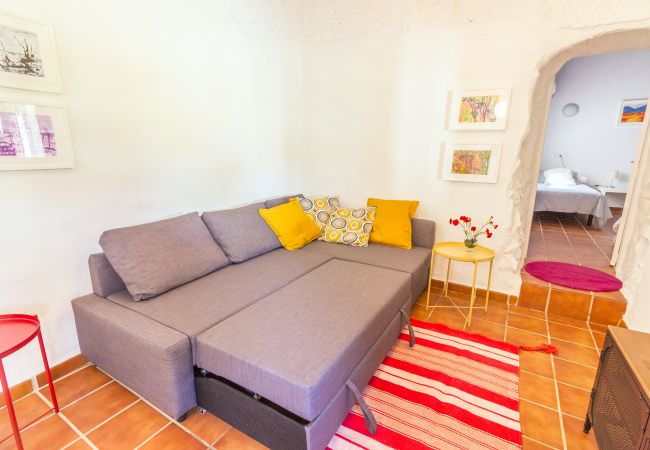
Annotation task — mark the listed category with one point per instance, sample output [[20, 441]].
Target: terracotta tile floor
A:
[[98, 412], [566, 238]]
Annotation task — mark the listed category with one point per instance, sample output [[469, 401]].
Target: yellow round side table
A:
[[458, 252]]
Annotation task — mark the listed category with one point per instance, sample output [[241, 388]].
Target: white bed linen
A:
[[580, 199]]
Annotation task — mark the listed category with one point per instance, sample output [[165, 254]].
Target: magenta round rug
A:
[[573, 276]]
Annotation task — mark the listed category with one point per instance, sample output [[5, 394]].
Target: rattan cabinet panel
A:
[[618, 410]]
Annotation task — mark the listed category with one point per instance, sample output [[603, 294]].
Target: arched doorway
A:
[[521, 190]]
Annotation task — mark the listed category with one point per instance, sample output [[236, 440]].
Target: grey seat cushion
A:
[[414, 261], [155, 257], [242, 233], [194, 307], [297, 346]]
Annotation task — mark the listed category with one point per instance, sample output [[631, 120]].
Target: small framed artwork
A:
[[479, 110], [478, 163], [28, 57], [632, 112], [34, 136]]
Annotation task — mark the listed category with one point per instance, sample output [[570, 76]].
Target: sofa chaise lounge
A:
[[215, 313]]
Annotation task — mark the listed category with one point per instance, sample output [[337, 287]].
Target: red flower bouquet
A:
[[472, 232]]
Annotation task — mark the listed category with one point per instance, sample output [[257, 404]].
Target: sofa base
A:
[[263, 421], [277, 428]]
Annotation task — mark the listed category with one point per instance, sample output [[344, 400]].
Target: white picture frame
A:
[[34, 135], [28, 57], [632, 112], [466, 162], [485, 109]]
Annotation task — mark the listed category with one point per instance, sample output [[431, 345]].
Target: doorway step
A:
[[600, 308]]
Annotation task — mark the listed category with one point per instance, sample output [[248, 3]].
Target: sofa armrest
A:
[[423, 232], [103, 277], [147, 356]]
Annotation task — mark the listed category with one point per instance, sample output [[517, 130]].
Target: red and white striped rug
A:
[[453, 390]]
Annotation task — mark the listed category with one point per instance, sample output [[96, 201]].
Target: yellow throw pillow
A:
[[392, 224], [291, 224]]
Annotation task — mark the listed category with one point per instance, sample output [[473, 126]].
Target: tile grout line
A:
[[153, 435], [161, 412], [36, 387], [86, 395], [557, 391], [111, 417], [540, 443], [221, 436], [594, 241], [575, 254], [558, 381], [593, 339], [66, 420], [82, 436]]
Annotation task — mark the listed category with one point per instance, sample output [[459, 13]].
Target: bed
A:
[[579, 198]]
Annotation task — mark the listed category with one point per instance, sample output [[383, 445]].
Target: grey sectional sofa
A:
[[215, 313]]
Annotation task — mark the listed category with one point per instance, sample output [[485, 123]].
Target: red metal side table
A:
[[16, 331]]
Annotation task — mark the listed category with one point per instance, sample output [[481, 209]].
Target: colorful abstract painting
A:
[[632, 111], [478, 109], [471, 162], [477, 163], [26, 136]]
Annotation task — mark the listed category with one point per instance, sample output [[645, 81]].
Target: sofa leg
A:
[[182, 418]]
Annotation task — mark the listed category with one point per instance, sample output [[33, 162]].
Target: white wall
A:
[[592, 143], [172, 109], [376, 100]]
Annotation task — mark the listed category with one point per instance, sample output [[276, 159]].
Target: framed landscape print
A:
[[479, 110], [477, 163], [28, 57], [34, 136], [632, 112]]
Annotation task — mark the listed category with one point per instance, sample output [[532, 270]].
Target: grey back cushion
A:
[[155, 257], [242, 233], [270, 203]]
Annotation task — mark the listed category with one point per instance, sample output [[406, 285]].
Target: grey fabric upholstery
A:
[[194, 307], [104, 279], [241, 233], [423, 233], [414, 261], [321, 430], [155, 257], [150, 358], [297, 346], [270, 203]]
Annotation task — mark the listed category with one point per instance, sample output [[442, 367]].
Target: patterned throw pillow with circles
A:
[[320, 209], [350, 226]]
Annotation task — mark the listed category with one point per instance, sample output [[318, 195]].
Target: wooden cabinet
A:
[[618, 410]]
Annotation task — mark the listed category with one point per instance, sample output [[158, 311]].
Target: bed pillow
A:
[[559, 177], [350, 226]]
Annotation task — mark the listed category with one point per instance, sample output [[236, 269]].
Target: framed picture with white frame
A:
[[28, 58], [479, 109], [477, 163], [34, 135]]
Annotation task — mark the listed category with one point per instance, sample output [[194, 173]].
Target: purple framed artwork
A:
[[34, 136]]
